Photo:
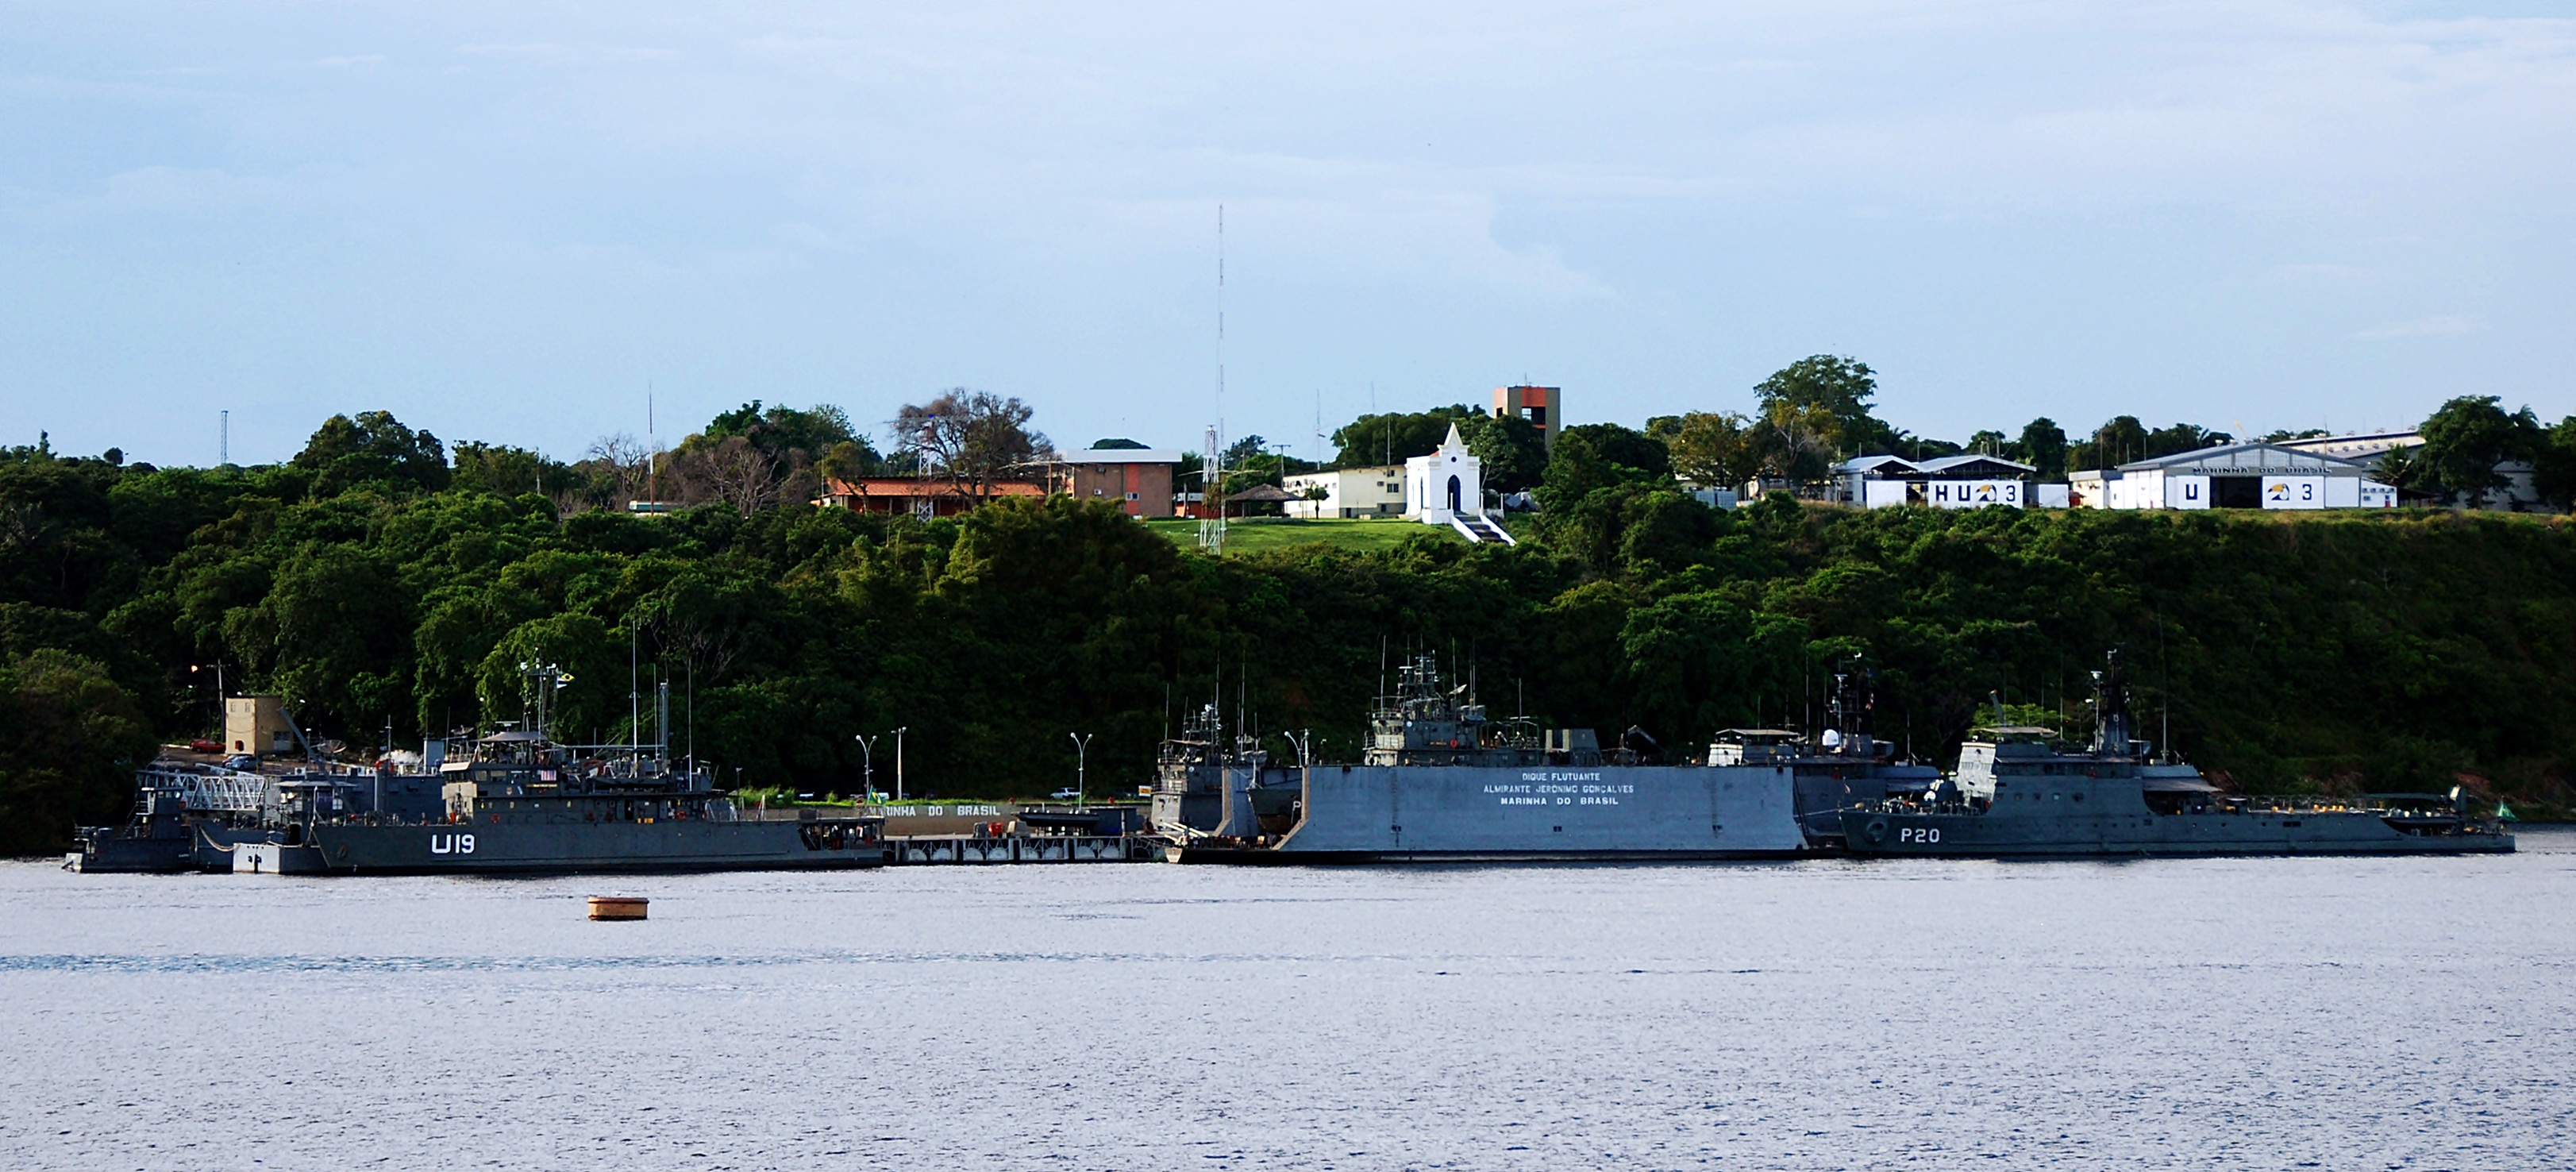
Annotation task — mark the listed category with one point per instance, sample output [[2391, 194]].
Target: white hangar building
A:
[[2234, 476], [1950, 482]]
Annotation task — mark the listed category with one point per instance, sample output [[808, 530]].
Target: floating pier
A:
[[927, 833], [925, 850]]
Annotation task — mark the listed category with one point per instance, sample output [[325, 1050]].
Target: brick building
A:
[[1138, 479]]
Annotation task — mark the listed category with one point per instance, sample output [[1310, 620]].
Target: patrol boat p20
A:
[[1439, 781], [2017, 793]]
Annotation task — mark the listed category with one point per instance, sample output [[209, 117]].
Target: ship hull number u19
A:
[[451, 844]]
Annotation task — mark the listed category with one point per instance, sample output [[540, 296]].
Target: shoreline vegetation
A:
[[376, 584]]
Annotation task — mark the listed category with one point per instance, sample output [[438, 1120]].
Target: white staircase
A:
[[1480, 530]]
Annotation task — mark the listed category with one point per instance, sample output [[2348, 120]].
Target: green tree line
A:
[[374, 582]]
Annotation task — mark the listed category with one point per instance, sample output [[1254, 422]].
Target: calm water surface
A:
[[2255, 1013]]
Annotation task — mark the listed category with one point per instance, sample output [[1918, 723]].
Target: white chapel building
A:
[[1447, 483], [1447, 487]]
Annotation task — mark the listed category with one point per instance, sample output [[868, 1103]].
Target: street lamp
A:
[[1081, 765], [898, 762], [868, 768]]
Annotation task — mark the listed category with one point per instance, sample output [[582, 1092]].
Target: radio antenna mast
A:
[[1318, 449], [1212, 465]]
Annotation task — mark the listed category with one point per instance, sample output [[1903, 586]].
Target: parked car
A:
[[1066, 795]]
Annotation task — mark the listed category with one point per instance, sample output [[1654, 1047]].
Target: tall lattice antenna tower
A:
[[223, 438], [1212, 466], [1318, 446]]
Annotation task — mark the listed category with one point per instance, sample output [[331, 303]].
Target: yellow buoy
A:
[[617, 907]]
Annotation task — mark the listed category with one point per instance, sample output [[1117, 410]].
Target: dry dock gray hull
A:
[[1391, 813]]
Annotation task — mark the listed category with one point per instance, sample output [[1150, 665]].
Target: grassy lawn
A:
[[1257, 534]]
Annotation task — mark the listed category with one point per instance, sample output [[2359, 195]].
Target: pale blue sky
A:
[[504, 220]]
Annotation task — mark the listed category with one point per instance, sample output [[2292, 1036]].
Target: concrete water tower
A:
[[1542, 406]]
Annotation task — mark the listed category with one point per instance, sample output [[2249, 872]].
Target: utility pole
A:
[[898, 762]]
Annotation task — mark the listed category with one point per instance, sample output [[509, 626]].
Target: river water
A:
[[2254, 1013]]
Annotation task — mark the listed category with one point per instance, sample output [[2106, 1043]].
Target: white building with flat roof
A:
[[1376, 491]]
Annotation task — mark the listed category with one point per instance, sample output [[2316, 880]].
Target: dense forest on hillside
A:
[[375, 585]]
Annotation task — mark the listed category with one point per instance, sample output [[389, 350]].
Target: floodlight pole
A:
[[1081, 765], [867, 768], [898, 762]]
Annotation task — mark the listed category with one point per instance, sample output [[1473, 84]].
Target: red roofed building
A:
[[922, 496]]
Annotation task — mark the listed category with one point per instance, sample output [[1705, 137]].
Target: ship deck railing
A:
[[228, 792], [2238, 804], [801, 814]]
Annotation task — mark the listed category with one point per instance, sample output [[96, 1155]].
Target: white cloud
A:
[[1426, 236], [2018, 196], [208, 189], [2440, 325], [570, 55]]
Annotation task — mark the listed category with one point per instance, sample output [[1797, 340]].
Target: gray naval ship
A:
[[1845, 766], [2018, 791], [186, 817], [1440, 781], [519, 803]]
